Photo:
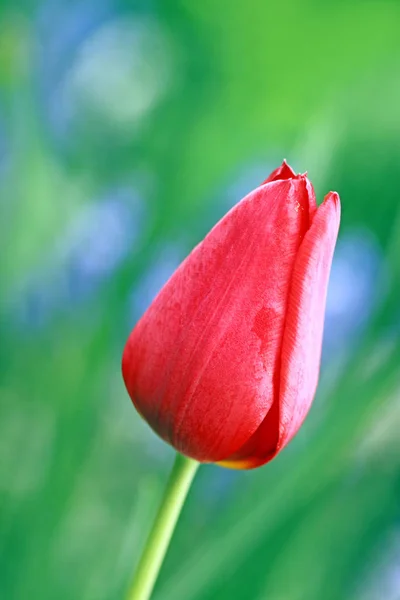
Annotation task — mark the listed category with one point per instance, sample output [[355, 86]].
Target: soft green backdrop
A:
[[126, 131]]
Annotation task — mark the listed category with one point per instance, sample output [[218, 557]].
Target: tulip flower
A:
[[224, 364]]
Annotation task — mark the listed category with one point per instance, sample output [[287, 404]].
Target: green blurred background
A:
[[126, 131]]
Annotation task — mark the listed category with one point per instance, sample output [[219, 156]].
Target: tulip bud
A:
[[224, 364]]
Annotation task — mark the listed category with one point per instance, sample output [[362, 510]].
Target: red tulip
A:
[[224, 364]]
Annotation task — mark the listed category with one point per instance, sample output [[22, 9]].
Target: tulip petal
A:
[[301, 350], [209, 345], [302, 340]]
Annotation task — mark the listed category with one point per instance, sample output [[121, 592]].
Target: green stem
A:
[[181, 477]]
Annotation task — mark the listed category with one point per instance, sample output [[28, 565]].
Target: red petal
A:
[[301, 350], [302, 340], [200, 363]]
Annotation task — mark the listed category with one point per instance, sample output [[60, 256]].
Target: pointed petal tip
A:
[[334, 199], [333, 196], [282, 172]]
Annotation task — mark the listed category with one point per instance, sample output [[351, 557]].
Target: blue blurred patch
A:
[[62, 28], [102, 72], [353, 293], [165, 261], [219, 485], [93, 245]]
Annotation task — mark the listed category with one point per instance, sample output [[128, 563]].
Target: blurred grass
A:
[[80, 474]]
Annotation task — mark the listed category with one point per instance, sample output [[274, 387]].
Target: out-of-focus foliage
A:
[[126, 131]]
